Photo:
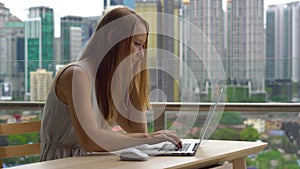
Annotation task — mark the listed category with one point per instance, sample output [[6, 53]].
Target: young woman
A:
[[108, 85]]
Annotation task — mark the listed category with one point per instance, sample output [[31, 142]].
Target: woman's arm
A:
[[133, 121], [76, 86]]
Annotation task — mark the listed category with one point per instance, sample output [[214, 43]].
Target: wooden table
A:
[[210, 152]]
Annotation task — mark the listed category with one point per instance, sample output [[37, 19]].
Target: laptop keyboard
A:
[[172, 147]]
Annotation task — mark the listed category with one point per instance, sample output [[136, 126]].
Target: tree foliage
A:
[[226, 134], [275, 159], [231, 118], [282, 142], [249, 134]]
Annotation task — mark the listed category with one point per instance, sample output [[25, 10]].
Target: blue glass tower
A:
[[129, 3]]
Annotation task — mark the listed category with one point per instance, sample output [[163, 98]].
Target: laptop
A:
[[189, 146]]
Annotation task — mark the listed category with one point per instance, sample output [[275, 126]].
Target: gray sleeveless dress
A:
[[58, 139]]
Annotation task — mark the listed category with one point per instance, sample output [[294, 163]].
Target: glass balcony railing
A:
[[273, 113], [275, 123]]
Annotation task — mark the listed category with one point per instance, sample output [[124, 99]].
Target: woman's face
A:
[[137, 45]]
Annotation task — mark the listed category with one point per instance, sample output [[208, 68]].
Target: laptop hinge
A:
[[195, 146]]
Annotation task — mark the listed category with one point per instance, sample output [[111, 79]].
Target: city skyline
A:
[[244, 64], [20, 8]]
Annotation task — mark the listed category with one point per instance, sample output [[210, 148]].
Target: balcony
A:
[[163, 113]]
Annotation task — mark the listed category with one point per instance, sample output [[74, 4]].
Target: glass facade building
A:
[[89, 25], [70, 25], [129, 3], [39, 38], [12, 48], [283, 38]]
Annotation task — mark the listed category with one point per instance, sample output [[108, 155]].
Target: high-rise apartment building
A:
[[75, 32], [57, 51], [89, 25], [14, 29], [207, 41], [71, 38], [152, 7], [247, 44], [187, 90], [129, 3], [170, 26], [12, 51], [294, 38], [283, 40], [227, 39], [39, 37], [5, 15], [163, 20], [40, 82], [75, 43]]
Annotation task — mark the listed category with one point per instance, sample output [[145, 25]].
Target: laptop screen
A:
[[207, 123]]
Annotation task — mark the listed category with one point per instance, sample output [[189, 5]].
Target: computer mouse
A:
[[133, 154]]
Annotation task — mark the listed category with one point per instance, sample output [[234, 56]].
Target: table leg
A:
[[239, 163]]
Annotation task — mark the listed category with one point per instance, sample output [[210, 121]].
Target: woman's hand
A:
[[165, 135]]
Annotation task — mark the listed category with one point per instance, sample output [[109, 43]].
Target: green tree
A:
[[279, 98], [264, 159], [282, 142], [231, 118], [249, 134], [226, 134]]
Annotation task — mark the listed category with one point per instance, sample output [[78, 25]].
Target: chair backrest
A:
[[19, 150]]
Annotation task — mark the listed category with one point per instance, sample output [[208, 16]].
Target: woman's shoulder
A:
[[72, 72]]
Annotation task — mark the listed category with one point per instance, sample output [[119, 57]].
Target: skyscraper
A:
[[283, 40], [294, 39], [12, 51], [169, 23], [75, 32], [5, 15], [71, 38], [39, 37], [227, 39], [208, 40], [154, 7], [160, 25], [14, 29], [247, 51], [57, 51], [129, 3], [89, 25], [186, 87]]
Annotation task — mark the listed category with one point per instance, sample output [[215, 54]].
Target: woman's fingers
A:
[[168, 135], [173, 138]]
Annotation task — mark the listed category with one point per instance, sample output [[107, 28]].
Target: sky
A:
[[83, 8]]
